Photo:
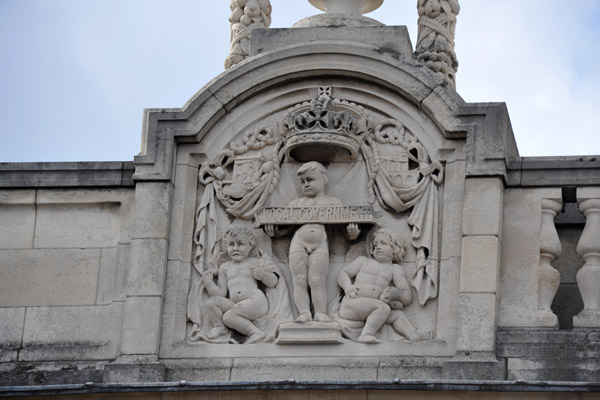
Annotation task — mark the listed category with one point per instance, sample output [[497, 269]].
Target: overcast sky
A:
[[75, 75]]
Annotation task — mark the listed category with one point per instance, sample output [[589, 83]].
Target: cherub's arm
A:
[[401, 292], [353, 231], [263, 271], [278, 231], [345, 276], [219, 289]]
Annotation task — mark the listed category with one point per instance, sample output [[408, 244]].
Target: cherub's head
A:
[[386, 246], [313, 178], [239, 241]]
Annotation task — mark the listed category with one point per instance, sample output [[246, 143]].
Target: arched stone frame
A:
[[177, 142]]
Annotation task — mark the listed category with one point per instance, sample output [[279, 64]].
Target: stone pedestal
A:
[[309, 333]]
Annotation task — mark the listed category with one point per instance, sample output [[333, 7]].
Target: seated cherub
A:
[[376, 290], [236, 300]]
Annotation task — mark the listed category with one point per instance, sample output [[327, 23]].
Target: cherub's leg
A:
[[241, 315], [374, 312], [214, 309], [318, 265], [375, 320], [404, 327], [299, 267]]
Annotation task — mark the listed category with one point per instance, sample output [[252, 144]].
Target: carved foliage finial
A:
[[245, 16], [435, 41]]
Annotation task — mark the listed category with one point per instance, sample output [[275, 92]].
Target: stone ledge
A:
[[66, 174], [550, 354], [553, 171], [305, 389]]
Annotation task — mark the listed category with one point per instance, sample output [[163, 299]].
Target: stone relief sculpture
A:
[[309, 251], [398, 187], [235, 301], [242, 295], [435, 40], [376, 291], [245, 16]]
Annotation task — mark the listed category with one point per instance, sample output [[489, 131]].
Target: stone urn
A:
[[356, 7]]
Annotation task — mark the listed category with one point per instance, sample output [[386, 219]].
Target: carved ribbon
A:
[[440, 23], [423, 199]]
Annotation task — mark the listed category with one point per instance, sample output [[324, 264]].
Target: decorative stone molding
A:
[[588, 277], [435, 40], [548, 276], [245, 16]]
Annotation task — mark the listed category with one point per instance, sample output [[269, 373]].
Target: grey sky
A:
[[76, 74]]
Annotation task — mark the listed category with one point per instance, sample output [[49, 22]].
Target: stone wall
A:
[[121, 272], [64, 247]]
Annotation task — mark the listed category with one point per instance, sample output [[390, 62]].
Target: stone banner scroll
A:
[[325, 215]]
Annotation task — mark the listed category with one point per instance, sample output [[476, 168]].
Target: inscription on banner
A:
[[316, 215]]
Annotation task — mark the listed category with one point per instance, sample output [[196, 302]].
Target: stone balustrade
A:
[[588, 277]]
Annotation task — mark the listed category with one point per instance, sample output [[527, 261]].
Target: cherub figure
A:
[[309, 250], [376, 290], [236, 300]]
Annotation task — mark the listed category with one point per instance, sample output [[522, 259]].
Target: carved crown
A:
[[325, 128]]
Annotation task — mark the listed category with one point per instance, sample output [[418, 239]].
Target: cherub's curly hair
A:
[[313, 166], [398, 246], [240, 230]]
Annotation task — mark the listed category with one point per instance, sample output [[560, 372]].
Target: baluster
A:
[[548, 276], [588, 277]]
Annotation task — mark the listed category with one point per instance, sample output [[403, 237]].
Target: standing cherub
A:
[[236, 300], [376, 290], [309, 250]]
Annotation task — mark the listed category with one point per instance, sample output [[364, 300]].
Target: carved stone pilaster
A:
[[435, 40], [548, 276], [588, 277], [245, 16]]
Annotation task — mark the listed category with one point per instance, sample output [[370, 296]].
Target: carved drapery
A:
[[254, 179], [243, 196], [245, 16], [435, 40], [420, 194]]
